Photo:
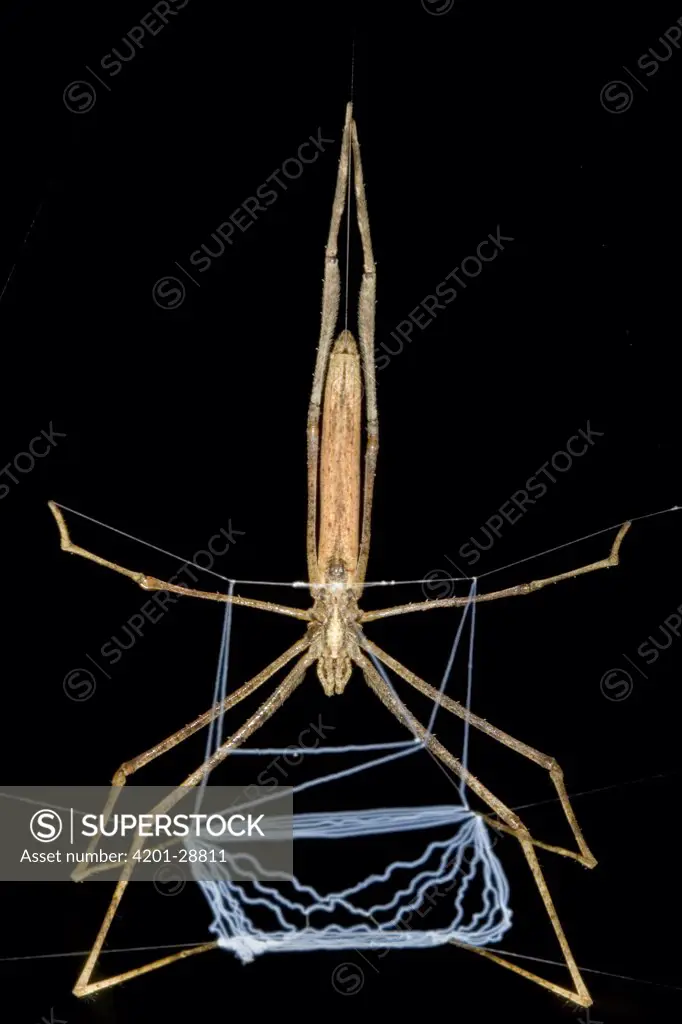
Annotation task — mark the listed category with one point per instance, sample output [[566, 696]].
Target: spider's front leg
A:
[[513, 823], [128, 768], [85, 986], [585, 856]]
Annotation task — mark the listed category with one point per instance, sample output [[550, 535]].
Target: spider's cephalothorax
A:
[[336, 610]]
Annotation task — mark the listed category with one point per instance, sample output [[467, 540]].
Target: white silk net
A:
[[444, 883]]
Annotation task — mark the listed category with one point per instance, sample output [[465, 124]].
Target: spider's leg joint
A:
[[151, 582]]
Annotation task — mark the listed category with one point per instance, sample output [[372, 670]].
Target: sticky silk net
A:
[[266, 911]]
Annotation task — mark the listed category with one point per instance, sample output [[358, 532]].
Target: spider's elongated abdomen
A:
[[340, 452]]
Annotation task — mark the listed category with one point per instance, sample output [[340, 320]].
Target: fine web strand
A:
[[215, 730], [306, 585]]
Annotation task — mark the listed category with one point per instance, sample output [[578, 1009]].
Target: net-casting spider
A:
[[338, 540]]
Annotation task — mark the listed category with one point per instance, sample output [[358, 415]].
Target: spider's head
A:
[[337, 610]]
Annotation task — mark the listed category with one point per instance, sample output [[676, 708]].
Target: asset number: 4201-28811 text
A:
[[211, 856]]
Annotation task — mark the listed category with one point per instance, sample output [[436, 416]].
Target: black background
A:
[[181, 421]]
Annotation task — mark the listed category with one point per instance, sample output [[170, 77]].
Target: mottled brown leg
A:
[[331, 293], [517, 591], [130, 767], [514, 824], [585, 857], [84, 986], [150, 583], [366, 318]]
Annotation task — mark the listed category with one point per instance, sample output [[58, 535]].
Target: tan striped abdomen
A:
[[340, 452]]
